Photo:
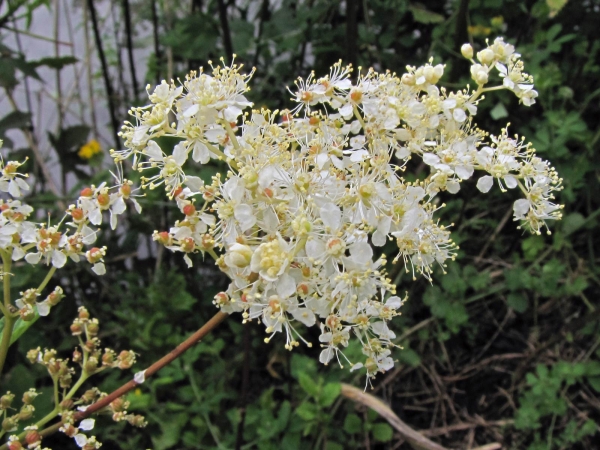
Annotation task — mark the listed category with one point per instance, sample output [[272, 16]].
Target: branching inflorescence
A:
[[311, 190]]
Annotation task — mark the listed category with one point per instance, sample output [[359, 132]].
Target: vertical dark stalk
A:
[[157, 54], [461, 36], [225, 28], [263, 16], [120, 71], [245, 385], [105, 75], [352, 32], [127, 15], [307, 38]]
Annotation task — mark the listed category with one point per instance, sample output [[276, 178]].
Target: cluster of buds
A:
[[11, 423], [91, 360], [119, 407], [311, 190]]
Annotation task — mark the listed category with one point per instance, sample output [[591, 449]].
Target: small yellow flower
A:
[[479, 30], [90, 149]]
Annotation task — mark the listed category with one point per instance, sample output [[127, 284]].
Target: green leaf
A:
[[498, 112], [307, 411], [352, 424], [308, 384], [15, 119], [518, 301], [422, 15], [330, 392], [56, 62], [382, 432]]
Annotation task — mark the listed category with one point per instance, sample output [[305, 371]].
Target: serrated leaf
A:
[[352, 424], [330, 392], [56, 62], [307, 411], [308, 384], [382, 432], [422, 15], [518, 301]]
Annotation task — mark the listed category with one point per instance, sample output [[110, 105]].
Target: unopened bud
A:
[[91, 365], [83, 313], [6, 400], [467, 51], [33, 355], [32, 438], [10, 423], [26, 412], [93, 328], [86, 192], [69, 430], [66, 404], [126, 359], [27, 313], [137, 420], [15, 445], [189, 210], [55, 296], [486, 56], [29, 396], [89, 396], [76, 329], [119, 405]]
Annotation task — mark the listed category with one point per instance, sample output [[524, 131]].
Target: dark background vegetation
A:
[[504, 348]]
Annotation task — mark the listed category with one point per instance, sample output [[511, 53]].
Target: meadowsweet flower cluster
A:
[[21, 237], [311, 190]]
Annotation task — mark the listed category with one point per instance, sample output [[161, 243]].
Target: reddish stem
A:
[[162, 362]]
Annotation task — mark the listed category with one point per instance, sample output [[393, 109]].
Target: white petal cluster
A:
[[310, 191], [54, 245]]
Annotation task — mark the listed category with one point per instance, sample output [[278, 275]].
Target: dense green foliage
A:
[[503, 348]]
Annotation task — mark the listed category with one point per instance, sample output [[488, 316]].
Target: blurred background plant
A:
[[504, 348]]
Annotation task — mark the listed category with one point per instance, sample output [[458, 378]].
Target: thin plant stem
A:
[[9, 320], [128, 32], [105, 74], [132, 384]]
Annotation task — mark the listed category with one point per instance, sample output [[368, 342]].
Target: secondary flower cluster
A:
[[72, 238], [310, 191], [91, 359]]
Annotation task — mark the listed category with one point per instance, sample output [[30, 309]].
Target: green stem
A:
[[223, 156], [9, 324], [9, 320], [46, 280], [231, 134]]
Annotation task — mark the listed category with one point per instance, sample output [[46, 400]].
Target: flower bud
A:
[[119, 404], [15, 445], [76, 329], [93, 328], [27, 313], [108, 358], [163, 237], [408, 79], [55, 296], [189, 210], [69, 430], [239, 255], [91, 365], [467, 51], [33, 438], [77, 356], [486, 56], [29, 396], [6, 400], [126, 359], [86, 192], [10, 423], [89, 396], [66, 404], [137, 420], [26, 412], [83, 313], [221, 299]]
